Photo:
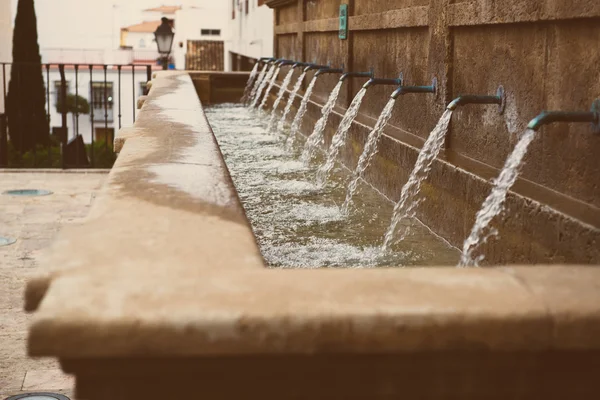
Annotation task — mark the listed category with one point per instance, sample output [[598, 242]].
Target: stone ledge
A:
[[166, 266]]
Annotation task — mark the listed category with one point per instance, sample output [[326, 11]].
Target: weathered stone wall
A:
[[544, 52]]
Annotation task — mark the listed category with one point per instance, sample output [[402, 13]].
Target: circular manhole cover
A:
[[6, 241], [28, 192], [39, 396]]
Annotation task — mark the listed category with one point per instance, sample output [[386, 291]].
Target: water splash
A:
[[249, 84], [282, 90], [290, 102], [263, 84], [409, 199], [316, 138], [368, 153], [297, 224], [271, 84], [303, 107], [340, 137], [257, 83], [494, 203]]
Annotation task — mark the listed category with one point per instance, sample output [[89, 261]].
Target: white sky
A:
[[91, 24]]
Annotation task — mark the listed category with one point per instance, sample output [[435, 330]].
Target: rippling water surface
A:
[[299, 224]]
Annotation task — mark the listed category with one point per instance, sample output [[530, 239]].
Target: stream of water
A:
[[316, 139], [409, 198], [368, 153], [494, 203], [298, 223], [263, 103], [282, 90], [263, 84], [290, 103], [339, 139], [250, 83], [257, 83], [303, 107]]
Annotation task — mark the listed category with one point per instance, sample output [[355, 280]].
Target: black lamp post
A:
[[164, 40]]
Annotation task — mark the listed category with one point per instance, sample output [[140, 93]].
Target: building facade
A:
[[251, 33], [202, 36]]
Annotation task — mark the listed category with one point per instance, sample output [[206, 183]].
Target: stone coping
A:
[[166, 265]]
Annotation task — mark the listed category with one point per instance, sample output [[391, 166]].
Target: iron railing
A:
[[101, 98]]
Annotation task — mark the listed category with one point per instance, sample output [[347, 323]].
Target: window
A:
[[210, 32], [57, 87], [142, 44], [102, 99]]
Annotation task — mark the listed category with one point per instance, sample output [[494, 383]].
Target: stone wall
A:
[[544, 52]]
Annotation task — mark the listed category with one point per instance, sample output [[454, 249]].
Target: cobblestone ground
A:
[[34, 222]]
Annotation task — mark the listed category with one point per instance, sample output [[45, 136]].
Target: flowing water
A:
[[296, 223], [266, 80], [303, 107], [409, 198], [494, 203], [316, 139], [257, 83], [339, 139], [250, 85], [368, 153], [282, 90], [269, 88], [290, 102]]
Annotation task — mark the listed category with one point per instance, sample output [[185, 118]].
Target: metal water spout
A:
[[498, 99], [329, 71], [357, 75], [314, 66], [300, 64], [402, 90], [283, 60], [380, 81], [266, 59], [549, 117], [287, 62]]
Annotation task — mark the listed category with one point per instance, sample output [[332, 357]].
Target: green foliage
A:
[[26, 102], [41, 157], [104, 156], [49, 156], [75, 104]]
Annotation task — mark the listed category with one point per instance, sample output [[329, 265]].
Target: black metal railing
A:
[[97, 96]]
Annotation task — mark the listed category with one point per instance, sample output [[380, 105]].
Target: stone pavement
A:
[[33, 222]]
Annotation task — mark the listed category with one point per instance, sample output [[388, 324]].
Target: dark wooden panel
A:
[[377, 6], [204, 55], [322, 9]]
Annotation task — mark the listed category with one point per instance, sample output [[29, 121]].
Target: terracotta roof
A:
[[146, 27], [165, 9]]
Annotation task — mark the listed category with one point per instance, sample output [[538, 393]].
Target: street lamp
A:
[[164, 40]]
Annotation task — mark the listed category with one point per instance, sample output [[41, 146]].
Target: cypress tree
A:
[[26, 103]]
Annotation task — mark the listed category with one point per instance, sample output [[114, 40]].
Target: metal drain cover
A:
[[39, 396], [28, 192], [6, 241]]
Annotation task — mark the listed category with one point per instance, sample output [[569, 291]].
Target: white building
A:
[[5, 44], [205, 21], [252, 32]]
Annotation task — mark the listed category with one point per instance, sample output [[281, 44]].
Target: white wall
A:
[[252, 33], [189, 22], [5, 43]]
